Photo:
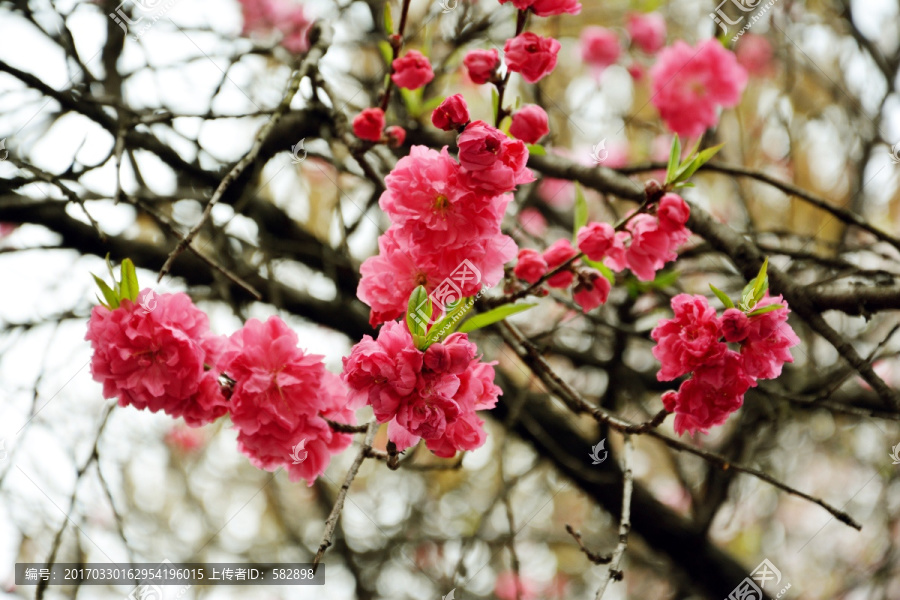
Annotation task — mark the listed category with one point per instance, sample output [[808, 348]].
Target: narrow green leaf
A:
[[664, 279], [722, 296], [418, 312], [763, 310], [130, 286], [762, 281], [388, 18], [112, 300], [536, 150], [440, 330], [493, 316], [581, 210], [674, 158], [688, 168], [495, 102], [707, 154], [431, 104], [387, 53], [112, 276]]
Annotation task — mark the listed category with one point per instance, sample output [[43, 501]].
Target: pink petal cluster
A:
[[547, 8], [531, 55], [481, 64], [591, 288], [599, 47], [647, 31], [491, 162], [689, 85], [649, 242], [160, 360], [529, 124], [754, 53], [691, 342], [432, 395], [439, 220], [265, 16], [412, 70], [369, 124], [280, 397], [511, 586], [451, 114]]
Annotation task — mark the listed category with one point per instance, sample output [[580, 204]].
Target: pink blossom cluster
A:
[[432, 395], [443, 213], [284, 16], [547, 8], [410, 71], [601, 47], [696, 341], [691, 84], [164, 358], [590, 288]]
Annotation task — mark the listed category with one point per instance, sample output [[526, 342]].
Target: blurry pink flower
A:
[[531, 55], [529, 124], [451, 114], [754, 53], [637, 71], [558, 253], [532, 221], [595, 240], [510, 586], [265, 16], [481, 64], [155, 359], [647, 31], [412, 70], [599, 47], [184, 439], [559, 193], [531, 265], [369, 124], [689, 340], [592, 289], [689, 85], [550, 8], [396, 135]]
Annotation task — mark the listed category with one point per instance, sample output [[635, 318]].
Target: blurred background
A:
[[117, 131]]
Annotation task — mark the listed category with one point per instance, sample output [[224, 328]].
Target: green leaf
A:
[[129, 286], [536, 150], [388, 18], [493, 316], [112, 276], [418, 314], [722, 296], [765, 309], [664, 279], [413, 100], [762, 281], [581, 210], [495, 102], [112, 300], [705, 156], [505, 124], [604, 270], [449, 323], [387, 53], [432, 104], [674, 158]]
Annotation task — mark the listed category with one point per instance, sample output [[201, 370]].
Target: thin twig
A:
[[624, 521]]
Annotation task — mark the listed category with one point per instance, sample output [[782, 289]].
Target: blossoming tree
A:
[[537, 283]]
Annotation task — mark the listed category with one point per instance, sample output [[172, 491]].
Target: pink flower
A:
[[531, 266], [707, 399], [412, 70], [510, 586], [689, 85], [529, 124], [157, 360], [673, 212], [592, 290], [650, 248], [599, 47], [531, 55], [768, 342], [492, 163], [647, 31], [481, 64], [547, 8], [185, 439], [595, 240], [555, 255], [559, 193], [265, 16], [451, 114], [396, 135], [532, 221], [279, 394], [689, 340], [735, 325], [754, 53], [369, 124]]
